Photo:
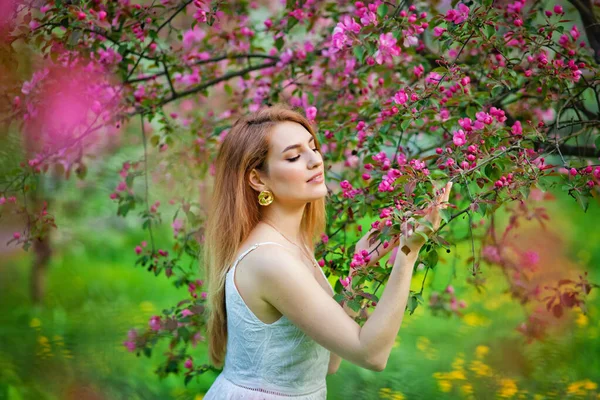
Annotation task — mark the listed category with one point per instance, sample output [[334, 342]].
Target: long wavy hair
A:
[[234, 209]]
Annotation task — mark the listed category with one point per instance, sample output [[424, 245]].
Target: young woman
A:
[[273, 321]]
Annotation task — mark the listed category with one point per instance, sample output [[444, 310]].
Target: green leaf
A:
[[496, 90], [582, 199], [432, 258], [423, 235], [445, 214], [382, 10], [524, 190], [489, 31], [354, 305], [405, 124], [279, 43], [471, 111], [154, 140], [413, 303], [385, 128], [359, 53], [481, 208], [597, 142]]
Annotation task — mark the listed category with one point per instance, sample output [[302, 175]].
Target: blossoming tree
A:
[[500, 97]]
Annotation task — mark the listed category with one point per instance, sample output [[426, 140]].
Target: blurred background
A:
[[66, 308]]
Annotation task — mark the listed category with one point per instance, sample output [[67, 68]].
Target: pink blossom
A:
[[345, 281], [138, 249], [433, 78], [132, 334], [459, 138], [438, 31], [339, 38], [410, 41], [122, 186], [491, 254], [418, 70], [155, 323], [459, 15], [177, 225], [188, 364], [498, 114], [517, 129], [311, 113], [574, 33], [385, 186], [558, 9], [192, 36], [203, 9], [387, 48], [485, 118], [186, 312], [129, 345], [400, 97], [530, 259]]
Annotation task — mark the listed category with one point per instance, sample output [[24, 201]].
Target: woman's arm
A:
[[334, 363]]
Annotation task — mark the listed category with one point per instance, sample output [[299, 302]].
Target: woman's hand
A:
[[414, 242], [376, 250]]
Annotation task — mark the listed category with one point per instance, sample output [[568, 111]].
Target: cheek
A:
[[291, 174]]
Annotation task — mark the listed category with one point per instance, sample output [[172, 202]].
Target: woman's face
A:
[[293, 161]]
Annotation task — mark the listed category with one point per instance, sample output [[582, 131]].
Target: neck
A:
[[286, 219]]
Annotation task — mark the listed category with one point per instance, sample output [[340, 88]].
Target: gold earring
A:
[[265, 198]]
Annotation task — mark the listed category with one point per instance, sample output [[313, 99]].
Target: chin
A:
[[320, 192]]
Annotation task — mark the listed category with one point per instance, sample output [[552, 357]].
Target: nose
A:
[[316, 160]]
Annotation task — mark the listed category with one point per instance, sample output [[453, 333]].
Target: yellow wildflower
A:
[[480, 368], [508, 388], [445, 386], [582, 320], [423, 343], [481, 351], [474, 319], [147, 307], [35, 323], [457, 375], [467, 388]]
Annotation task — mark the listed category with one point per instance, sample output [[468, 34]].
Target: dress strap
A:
[[254, 246]]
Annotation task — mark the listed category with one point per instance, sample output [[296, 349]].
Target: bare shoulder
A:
[[287, 285]]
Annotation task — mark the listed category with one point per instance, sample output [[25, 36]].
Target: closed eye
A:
[[298, 156]]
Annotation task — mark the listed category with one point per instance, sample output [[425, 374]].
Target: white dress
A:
[[274, 361]]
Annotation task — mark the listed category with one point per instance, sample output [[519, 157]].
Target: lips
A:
[[314, 176]]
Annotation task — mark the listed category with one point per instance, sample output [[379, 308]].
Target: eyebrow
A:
[[312, 138]]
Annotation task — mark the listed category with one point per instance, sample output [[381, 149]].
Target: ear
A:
[[256, 182]]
